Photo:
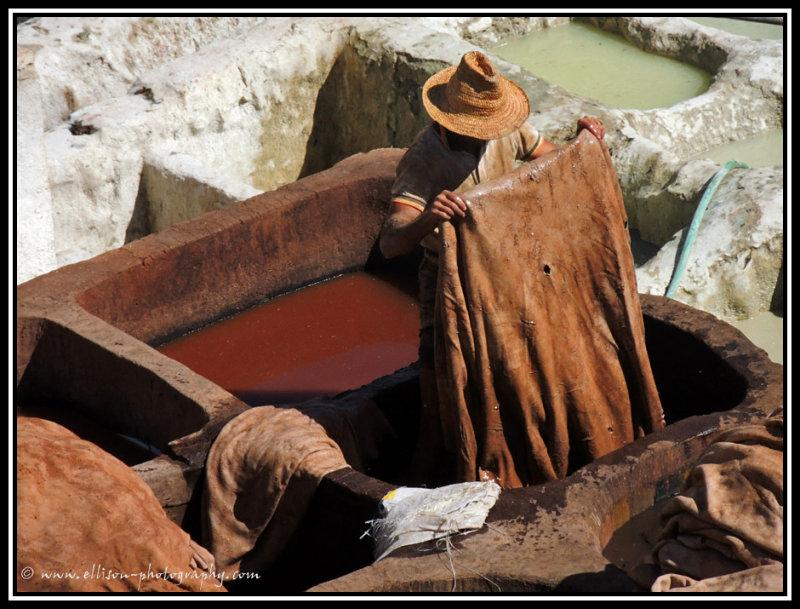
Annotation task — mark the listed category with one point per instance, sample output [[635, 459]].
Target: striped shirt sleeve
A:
[[534, 148], [410, 200]]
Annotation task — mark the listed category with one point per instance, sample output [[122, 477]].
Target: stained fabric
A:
[[539, 337], [724, 531], [86, 523]]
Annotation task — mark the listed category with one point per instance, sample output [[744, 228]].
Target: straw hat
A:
[[473, 99]]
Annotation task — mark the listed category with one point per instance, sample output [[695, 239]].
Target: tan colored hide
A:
[[540, 350], [261, 475], [86, 522]]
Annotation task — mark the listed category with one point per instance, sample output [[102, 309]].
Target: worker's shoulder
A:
[[427, 139]]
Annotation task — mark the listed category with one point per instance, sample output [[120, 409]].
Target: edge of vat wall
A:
[[552, 537]]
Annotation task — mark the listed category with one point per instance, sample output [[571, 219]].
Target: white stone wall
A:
[[178, 187], [35, 247]]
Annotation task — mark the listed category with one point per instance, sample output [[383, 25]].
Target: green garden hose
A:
[[698, 216]]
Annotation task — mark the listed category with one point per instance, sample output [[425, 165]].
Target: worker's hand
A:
[[447, 206], [594, 125]]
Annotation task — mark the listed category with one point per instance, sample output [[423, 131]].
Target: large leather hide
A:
[[539, 337]]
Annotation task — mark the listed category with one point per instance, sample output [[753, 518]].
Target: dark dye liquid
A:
[[319, 341]]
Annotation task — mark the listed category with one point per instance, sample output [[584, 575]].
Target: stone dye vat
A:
[[83, 331], [556, 537], [85, 336], [604, 66]]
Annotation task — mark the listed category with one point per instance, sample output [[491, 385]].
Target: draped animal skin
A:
[[261, 474], [724, 531], [539, 337]]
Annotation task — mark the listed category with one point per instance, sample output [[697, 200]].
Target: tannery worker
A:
[[479, 132]]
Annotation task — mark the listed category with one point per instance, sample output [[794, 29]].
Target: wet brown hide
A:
[[539, 336], [261, 474], [86, 522]]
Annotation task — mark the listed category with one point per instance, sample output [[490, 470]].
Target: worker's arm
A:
[[406, 226], [544, 147]]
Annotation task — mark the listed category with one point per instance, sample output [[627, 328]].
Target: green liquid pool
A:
[[766, 331], [604, 67], [760, 151]]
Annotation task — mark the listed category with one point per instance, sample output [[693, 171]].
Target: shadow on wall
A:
[[365, 103], [778, 303], [139, 225]]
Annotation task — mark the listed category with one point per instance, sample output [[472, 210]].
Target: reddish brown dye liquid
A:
[[322, 340]]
